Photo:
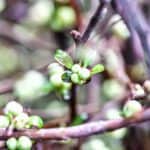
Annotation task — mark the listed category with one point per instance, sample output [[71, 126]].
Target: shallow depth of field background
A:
[[31, 31]]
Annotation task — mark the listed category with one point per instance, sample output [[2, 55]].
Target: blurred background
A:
[[31, 31]]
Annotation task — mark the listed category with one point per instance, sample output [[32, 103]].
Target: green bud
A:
[[13, 108], [64, 18], [55, 68], [4, 121], [21, 121], [56, 80], [75, 78], [43, 9], [84, 73], [29, 87], [112, 89], [76, 68], [131, 107], [11, 143], [53, 65], [120, 29], [67, 15], [24, 143], [35, 121]]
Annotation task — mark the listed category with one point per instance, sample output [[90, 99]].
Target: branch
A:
[[6, 86], [87, 129], [134, 19], [83, 39], [73, 103], [93, 21]]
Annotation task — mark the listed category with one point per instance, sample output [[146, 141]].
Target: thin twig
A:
[[93, 22]]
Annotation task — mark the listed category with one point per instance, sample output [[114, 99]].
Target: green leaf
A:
[[47, 88], [63, 58], [80, 119], [97, 69]]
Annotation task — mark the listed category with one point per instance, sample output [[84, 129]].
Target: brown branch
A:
[[73, 103], [6, 86], [87, 129], [134, 19], [93, 22], [83, 39]]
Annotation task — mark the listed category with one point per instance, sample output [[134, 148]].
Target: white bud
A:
[[13, 108]]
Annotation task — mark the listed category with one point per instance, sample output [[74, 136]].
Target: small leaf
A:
[[80, 119], [47, 88], [63, 58], [97, 69]]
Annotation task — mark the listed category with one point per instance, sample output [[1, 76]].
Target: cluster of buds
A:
[[64, 73], [73, 73], [55, 79], [80, 74], [22, 143], [15, 118]]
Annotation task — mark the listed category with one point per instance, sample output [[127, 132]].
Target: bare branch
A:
[[93, 21]]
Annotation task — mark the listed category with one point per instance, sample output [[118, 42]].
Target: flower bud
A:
[[11, 143], [35, 121], [43, 9], [75, 78], [131, 107], [4, 121], [76, 68], [120, 29], [13, 108], [56, 80], [29, 87], [64, 18], [21, 121], [84, 73], [67, 16], [24, 143], [55, 68]]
